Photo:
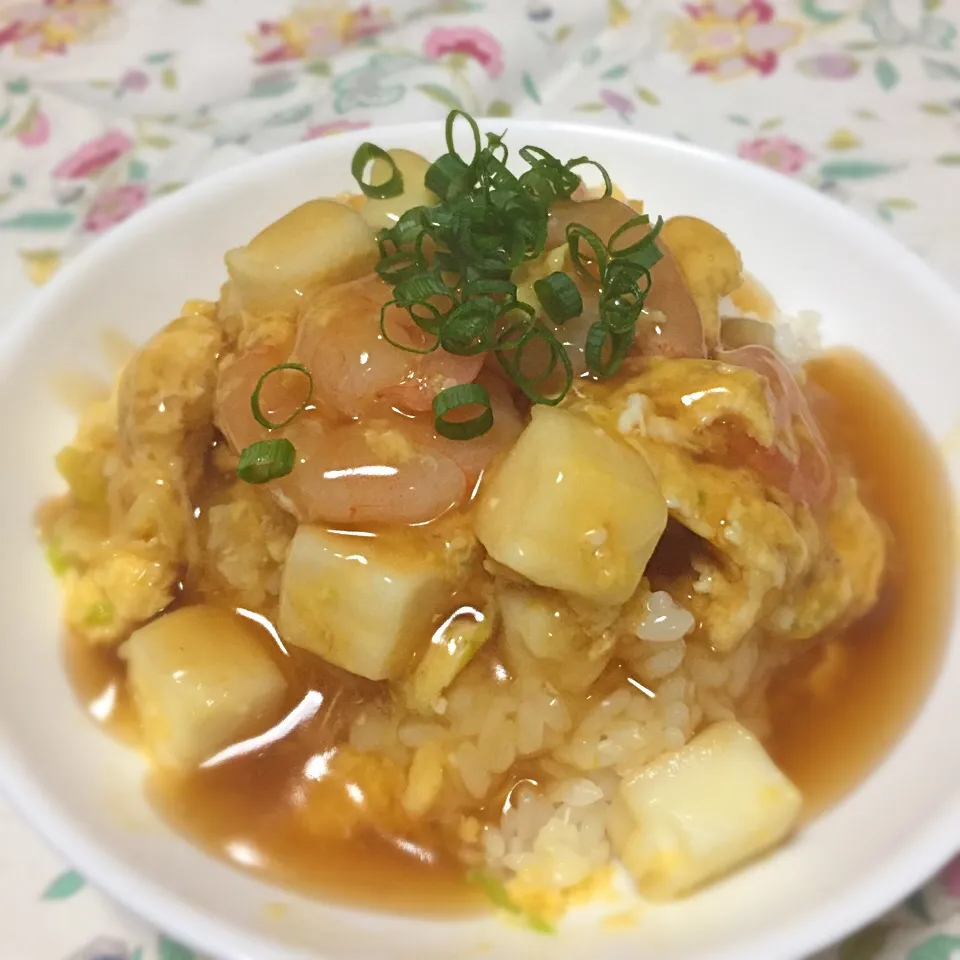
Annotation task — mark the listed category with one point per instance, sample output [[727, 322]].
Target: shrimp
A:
[[367, 449], [671, 324], [339, 340], [800, 462]]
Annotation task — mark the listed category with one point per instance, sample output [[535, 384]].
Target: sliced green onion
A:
[[559, 297], [397, 267], [510, 353], [448, 177], [474, 129], [577, 232], [455, 398], [640, 220], [601, 360], [489, 286], [100, 614], [430, 322], [266, 460], [494, 143], [451, 264], [587, 162], [645, 253], [391, 187], [420, 287], [469, 328], [258, 414]]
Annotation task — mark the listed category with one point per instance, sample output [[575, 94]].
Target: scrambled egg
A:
[[124, 534], [765, 560]]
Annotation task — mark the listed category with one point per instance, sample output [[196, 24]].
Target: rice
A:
[[554, 830]]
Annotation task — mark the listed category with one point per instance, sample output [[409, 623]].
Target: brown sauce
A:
[[838, 709], [833, 712]]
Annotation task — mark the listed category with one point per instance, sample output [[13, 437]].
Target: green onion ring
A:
[[559, 297], [430, 325], [453, 398], [266, 460], [255, 396], [391, 187], [577, 232], [587, 162]]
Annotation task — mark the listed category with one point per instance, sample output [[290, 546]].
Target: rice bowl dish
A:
[[447, 665]]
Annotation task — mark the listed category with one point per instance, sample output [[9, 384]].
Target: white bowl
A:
[[83, 791]]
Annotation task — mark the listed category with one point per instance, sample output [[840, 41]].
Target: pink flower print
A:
[[474, 42], [93, 156], [114, 206], [316, 30], [731, 38], [51, 26], [364, 22], [617, 101], [950, 878], [34, 129], [778, 153], [134, 80], [334, 127], [830, 66]]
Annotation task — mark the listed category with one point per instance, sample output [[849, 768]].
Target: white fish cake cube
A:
[[697, 813], [201, 679], [572, 508], [318, 244], [362, 604]]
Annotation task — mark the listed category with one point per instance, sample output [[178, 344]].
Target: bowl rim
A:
[[915, 861]]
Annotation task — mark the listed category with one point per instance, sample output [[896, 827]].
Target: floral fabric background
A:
[[106, 105]]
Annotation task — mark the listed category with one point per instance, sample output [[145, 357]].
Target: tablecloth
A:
[[106, 105]]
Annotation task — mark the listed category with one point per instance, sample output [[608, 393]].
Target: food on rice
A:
[[464, 536]]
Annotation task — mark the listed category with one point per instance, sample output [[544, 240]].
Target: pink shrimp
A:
[[679, 333], [367, 452], [799, 463], [340, 341]]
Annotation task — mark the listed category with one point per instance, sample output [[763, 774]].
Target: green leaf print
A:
[[443, 95], [137, 170], [648, 96], [295, 114], [813, 11], [941, 947], [499, 108], [64, 886], [562, 33], [19, 85], [941, 69], [888, 76], [530, 88], [739, 119], [592, 106], [590, 56], [272, 85], [168, 949], [949, 159], [866, 944], [615, 73], [936, 109], [168, 78], [854, 169], [39, 220]]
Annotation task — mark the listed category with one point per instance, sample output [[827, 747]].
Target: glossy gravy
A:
[[834, 711]]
